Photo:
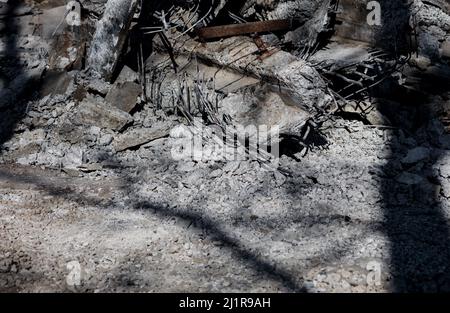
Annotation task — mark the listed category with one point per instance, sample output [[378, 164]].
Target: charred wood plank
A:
[[244, 28]]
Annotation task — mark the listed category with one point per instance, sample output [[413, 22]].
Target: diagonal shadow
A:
[[13, 111], [415, 222], [164, 210], [13, 96]]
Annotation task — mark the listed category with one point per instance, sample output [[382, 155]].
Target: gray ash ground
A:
[[144, 222]]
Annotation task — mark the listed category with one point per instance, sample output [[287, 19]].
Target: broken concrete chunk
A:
[[73, 158], [127, 75], [71, 133], [105, 140], [66, 54], [139, 137], [124, 96], [307, 35], [99, 86], [100, 114], [87, 168], [50, 19], [260, 105], [298, 80]]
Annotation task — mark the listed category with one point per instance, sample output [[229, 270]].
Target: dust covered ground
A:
[[174, 226]]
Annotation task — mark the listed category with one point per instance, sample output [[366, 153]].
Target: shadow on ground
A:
[[415, 222], [16, 87]]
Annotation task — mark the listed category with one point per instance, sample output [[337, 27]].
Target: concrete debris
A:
[[109, 38], [293, 76], [95, 113], [92, 117], [50, 19], [124, 96], [95, 6], [135, 138], [98, 86], [261, 105], [127, 75]]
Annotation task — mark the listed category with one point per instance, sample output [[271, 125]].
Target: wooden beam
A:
[[243, 29]]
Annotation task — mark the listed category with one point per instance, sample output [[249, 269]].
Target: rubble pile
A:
[[107, 94]]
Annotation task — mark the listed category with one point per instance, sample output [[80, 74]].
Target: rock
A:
[[258, 106], [127, 75], [99, 86], [409, 178], [139, 137], [124, 96], [280, 179], [105, 140], [73, 158], [416, 155], [49, 20], [215, 173], [188, 166], [92, 113], [421, 62]]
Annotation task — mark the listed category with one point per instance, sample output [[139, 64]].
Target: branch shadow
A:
[[415, 222], [164, 211]]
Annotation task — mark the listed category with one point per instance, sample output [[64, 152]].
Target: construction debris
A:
[[124, 96], [286, 138], [109, 37], [94, 113]]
